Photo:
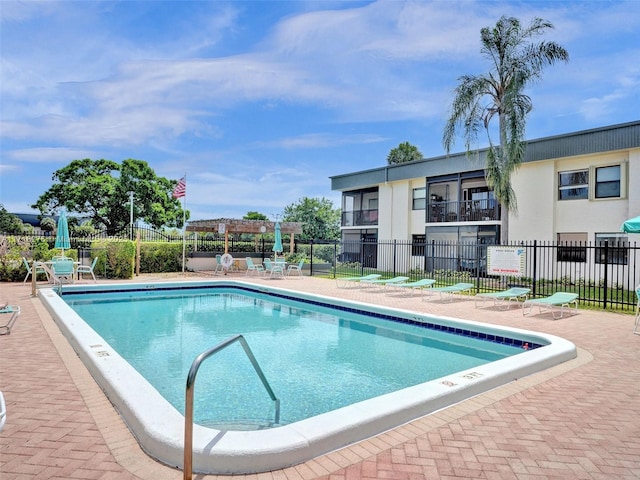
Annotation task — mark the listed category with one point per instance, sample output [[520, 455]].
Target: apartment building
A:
[[578, 186]]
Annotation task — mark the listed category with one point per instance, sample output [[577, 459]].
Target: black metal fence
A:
[[604, 274]]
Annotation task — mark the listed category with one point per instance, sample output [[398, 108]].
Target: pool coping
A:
[[295, 443]]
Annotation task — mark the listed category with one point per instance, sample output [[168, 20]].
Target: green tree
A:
[[99, 189], [516, 62], [48, 224], [255, 216], [321, 221], [10, 223], [405, 152]]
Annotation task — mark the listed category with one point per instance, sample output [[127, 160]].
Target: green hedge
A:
[[160, 257]]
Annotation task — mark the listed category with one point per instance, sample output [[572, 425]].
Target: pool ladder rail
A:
[[191, 379]]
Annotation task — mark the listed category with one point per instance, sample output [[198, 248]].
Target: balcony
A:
[[358, 218], [464, 211]]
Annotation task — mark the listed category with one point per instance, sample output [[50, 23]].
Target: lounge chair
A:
[[295, 268], [38, 268], [82, 269], [252, 267], [418, 285], [503, 298], [385, 282], [273, 268], [12, 312], [355, 281], [558, 299], [447, 292]]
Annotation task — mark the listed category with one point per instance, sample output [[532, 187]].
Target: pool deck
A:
[[578, 420]]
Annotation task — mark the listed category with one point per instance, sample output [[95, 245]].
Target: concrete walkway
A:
[[579, 420]]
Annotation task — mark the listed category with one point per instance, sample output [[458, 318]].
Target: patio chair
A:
[[503, 298], [82, 269], [12, 312], [296, 268], [449, 291], [39, 269], [273, 269], [355, 281], [417, 286], [385, 282], [252, 267], [636, 326], [63, 270], [558, 299], [219, 267]]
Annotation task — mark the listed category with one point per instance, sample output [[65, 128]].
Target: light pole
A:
[[131, 215]]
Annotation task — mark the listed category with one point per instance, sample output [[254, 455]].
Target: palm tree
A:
[[516, 62]]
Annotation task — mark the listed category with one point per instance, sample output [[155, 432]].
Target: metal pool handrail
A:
[[191, 379]]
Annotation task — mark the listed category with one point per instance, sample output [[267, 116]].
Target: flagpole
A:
[[184, 221]]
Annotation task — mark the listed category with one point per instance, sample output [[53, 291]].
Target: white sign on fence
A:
[[505, 261]]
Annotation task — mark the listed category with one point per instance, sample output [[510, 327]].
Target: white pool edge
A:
[[159, 427]]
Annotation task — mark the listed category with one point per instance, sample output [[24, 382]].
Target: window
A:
[[572, 247], [417, 245], [611, 248], [573, 185], [608, 182], [419, 198]]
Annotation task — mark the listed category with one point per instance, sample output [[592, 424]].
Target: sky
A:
[[260, 102]]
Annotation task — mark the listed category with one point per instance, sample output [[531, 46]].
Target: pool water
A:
[[316, 359]]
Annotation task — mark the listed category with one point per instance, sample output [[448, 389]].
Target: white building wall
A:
[[634, 184], [535, 189], [542, 216], [385, 205]]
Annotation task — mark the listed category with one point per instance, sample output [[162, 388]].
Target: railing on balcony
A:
[[356, 218], [464, 211]]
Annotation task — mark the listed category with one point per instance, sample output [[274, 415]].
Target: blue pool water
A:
[[317, 359]]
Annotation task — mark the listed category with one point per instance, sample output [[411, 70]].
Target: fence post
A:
[[606, 273], [335, 258], [534, 278], [311, 264], [395, 250]]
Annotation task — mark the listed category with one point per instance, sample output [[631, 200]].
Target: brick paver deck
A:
[[579, 420]]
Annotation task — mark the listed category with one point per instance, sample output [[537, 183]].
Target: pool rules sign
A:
[[505, 261]]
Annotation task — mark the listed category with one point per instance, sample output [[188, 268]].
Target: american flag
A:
[[181, 188]]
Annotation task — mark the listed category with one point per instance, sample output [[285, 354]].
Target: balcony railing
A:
[[464, 211], [356, 218]]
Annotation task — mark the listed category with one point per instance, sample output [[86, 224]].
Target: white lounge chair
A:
[[12, 312], [447, 293], [355, 281], [385, 282], [504, 298], [558, 299], [419, 285]]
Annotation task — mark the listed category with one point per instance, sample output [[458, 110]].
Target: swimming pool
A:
[[159, 426]]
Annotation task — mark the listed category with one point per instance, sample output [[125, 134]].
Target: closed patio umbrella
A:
[[631, 226], [62, 234], [277, 244]]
